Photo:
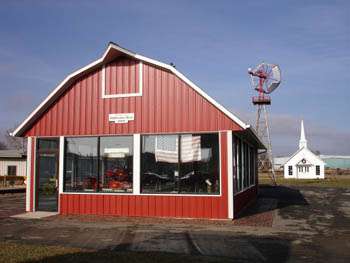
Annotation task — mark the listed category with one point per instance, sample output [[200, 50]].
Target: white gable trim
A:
[[100, 61], [304, 149]]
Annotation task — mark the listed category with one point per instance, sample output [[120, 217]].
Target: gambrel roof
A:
[[113, 50]]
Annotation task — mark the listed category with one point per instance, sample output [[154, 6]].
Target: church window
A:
[[317, 170], [290, 170]]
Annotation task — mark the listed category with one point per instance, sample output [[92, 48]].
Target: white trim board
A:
[[137, 164], [122, 95], [28, 177], [100, 62], [61, 165], [34, 174], [230, 176]]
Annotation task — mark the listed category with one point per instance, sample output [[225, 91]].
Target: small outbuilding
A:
[[13, 163], [304, 164], [128, 135]]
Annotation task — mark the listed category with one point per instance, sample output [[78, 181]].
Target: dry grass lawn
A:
[[330, 181]]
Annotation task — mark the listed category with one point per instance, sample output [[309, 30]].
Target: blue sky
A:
[[211, 42]]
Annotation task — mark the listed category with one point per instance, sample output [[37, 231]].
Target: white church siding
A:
[[304, 164], [311, 162]]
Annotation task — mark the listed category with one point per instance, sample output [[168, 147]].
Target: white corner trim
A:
[[61, 166], [136, 182], [34, 174], [230, 175], [220, 162], [121, 95], [28, 175], [100, 61]]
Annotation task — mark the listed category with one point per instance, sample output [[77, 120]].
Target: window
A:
[[239, 164], [98, 164], [251, 166], [48, 144], [12, 170], [244, 164], [234, 163], [81, 164], [116, 162], [187, 163], [290, 170], [318, 170]]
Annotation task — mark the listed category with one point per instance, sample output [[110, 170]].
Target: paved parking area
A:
[[306, 224]]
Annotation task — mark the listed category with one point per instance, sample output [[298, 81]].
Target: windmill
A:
[[265, 78]]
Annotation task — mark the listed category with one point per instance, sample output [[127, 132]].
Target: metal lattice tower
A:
[[265, 79], [265, 160]]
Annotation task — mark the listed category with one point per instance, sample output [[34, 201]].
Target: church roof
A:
[[305, 149]]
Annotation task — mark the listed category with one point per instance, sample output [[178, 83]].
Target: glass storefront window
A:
[[187, 163], [116, 155], [81, 164], [159, 164]]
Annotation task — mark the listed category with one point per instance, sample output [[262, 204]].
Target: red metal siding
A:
[[167, 105], [153, 205], [122, 77]]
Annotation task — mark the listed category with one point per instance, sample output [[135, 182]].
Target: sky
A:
[[211, 42]]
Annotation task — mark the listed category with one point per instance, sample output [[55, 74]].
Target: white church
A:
[[304, 164]]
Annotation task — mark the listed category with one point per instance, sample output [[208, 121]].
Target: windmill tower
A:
[[265, 79]]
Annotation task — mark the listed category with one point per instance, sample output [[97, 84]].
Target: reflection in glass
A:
[[116, 155], [81, 164], [191, 166]]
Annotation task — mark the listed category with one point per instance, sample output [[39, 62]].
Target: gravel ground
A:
[[287, 224]]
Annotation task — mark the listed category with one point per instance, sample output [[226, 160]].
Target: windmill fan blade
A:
[[275, 79]]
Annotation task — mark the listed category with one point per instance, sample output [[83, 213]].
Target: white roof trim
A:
[[139, 57], [299, 150]]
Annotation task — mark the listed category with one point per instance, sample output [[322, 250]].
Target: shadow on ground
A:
[[243, 249], [271, 198]]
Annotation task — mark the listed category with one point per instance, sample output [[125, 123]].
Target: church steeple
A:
[[302, 141]]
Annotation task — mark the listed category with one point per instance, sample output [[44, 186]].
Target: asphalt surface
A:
[[304, 224]]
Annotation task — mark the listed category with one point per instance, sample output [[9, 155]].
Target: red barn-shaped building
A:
[[131, 136]]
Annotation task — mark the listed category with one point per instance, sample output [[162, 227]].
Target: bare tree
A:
[[15, 142], [3, 146]]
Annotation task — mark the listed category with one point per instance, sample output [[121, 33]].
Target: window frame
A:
[[12, 166], [98, 191], [290, 170], [252, 168], [318, 170], [182, 194], [137, 170]]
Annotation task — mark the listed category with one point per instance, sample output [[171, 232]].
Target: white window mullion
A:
[[136, 164], [61, 166]]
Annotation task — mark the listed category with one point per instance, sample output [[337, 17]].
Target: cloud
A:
[[285, 132]]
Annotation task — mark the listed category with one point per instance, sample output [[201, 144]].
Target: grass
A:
[[13, 253], [334, 181]]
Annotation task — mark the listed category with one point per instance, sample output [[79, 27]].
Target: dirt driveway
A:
[[309, 224]]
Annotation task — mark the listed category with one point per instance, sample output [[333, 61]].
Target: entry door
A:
[[47, 157]]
